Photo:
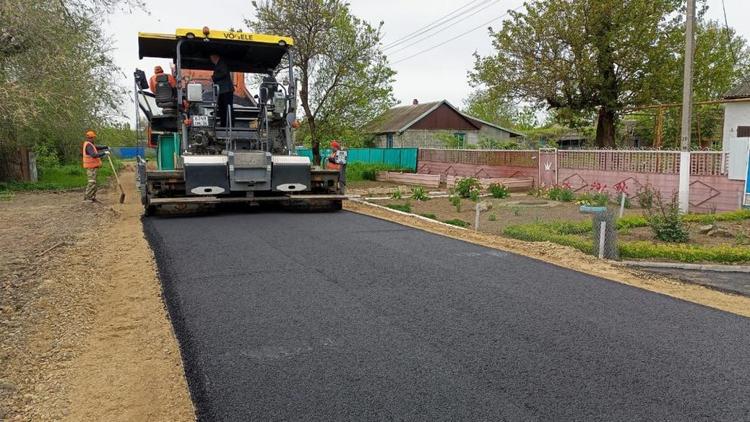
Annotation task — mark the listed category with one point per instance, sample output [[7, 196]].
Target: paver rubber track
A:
[[284, 316]]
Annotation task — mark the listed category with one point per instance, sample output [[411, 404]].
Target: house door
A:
[[547, 167], [389, 140]]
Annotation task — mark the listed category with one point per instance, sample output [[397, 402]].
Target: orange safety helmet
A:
[[158, 70], [90, 134], [335, 145]]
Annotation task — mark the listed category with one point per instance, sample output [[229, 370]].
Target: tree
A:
[[483, 105], [590, 58], [55, 74], [344, 75]]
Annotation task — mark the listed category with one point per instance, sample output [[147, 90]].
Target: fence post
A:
[[476, 218], [602, 237]]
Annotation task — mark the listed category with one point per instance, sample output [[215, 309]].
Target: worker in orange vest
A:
[[92, 160], [155, 79], [337, 161]]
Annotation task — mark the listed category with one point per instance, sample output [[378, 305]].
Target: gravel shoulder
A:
[[572, 259], [85, 332]]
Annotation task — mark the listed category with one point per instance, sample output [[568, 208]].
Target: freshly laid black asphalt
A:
[[320, 317]]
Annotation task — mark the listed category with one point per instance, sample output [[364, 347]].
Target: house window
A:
[[389, 140], [743, 131], [461, 138]]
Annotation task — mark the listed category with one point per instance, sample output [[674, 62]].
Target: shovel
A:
[[122, 191]]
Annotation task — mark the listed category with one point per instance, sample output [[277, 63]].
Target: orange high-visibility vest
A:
[[90, 162]]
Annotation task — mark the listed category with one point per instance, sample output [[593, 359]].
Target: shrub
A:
[[397, 194], [561, 193], [457, 222], [666, 221], [418, 193], [429, 215], [492, 217], [400, 207], [596, 199], [466, 186], [456, 202], [645, 197], [498, 191], [474, 195]]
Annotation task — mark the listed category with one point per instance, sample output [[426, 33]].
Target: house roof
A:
[[486, 123], [741, 90], [399, 119]]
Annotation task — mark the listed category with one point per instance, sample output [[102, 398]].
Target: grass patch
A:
[[457, 222], [357, 172], [429, 215], [578, 236], [400, 207], [71, 176], [685, 252]]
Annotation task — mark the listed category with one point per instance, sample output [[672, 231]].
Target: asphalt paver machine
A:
[[251, 159]]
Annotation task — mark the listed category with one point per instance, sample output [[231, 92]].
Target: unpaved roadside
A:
[[570, 258], [86, 335]]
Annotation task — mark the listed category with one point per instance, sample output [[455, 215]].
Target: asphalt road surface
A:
[[284, 316]]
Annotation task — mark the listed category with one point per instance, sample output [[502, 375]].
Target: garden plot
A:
[[652, 232]]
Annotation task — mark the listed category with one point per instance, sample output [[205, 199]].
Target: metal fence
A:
[[401, 158], [511, 158], [702, 163]]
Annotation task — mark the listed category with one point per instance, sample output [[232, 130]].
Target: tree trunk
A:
[[309, 115], [605, 128]]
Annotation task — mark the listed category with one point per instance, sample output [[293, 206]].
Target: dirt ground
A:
[[85, 332], [570, 258], [736, 233]]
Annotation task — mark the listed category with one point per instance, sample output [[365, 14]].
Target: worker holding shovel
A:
[[92, 160]]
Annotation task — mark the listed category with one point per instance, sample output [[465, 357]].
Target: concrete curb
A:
[[417, 216], [697, 267]]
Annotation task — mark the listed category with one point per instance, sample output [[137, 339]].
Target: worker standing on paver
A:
[[337, 161], [92, 160], [223, 78]]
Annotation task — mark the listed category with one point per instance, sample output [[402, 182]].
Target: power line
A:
[[455, 38], [729, 36], [418, 41], [435, 23]]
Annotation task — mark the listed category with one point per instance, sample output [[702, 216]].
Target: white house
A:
[[737, 130]]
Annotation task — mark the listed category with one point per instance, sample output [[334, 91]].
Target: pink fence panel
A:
[[702, 163]]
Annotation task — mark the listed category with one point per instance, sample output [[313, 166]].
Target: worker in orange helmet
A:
[[92, 160], [337, 161], [160, 76]]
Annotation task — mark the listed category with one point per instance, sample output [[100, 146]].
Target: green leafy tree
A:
[[344, 75], [55, 74], [590, 59]]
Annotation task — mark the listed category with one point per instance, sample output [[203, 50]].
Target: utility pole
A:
[[687, 108]]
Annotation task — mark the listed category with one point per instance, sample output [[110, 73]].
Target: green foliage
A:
[[542, 233], [685, 252], [595, 199], [71, 176], [397, 194], [429, 215], [498, 190], [588, 60], [492, 217], [457, 222], [483, 105], [645, 197], [400, 207], [56, 75], [490, 143], [356, 172], [418, 193], [468, 187], [456, 202], [561, 193], [743, 214], [451, 140], [345, 79], [666, 221]]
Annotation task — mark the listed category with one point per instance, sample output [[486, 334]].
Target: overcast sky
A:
[[432, 66]]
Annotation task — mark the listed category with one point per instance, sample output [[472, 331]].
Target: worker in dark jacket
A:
[[92, 160], [223, 78]]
